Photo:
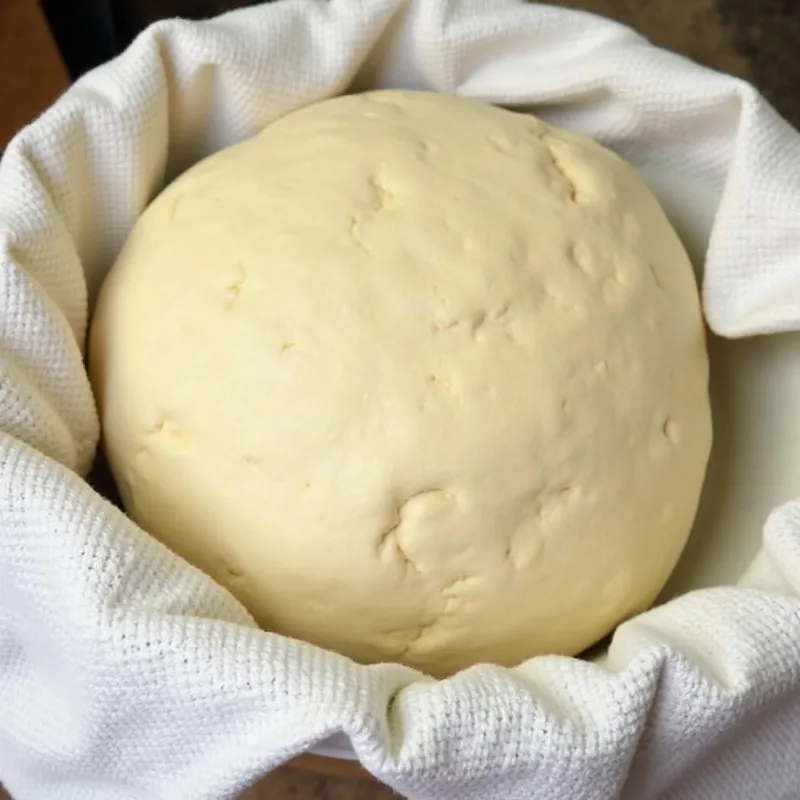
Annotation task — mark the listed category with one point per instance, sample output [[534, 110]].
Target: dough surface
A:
[[416, 378]]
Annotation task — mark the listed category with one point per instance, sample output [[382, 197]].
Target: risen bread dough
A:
[[416, 378]]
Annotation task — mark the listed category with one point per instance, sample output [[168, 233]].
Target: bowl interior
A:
[[755, 462]]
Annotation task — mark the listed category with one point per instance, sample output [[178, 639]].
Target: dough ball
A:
[[416, 378]]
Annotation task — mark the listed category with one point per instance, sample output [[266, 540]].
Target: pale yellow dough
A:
[[416, 378]]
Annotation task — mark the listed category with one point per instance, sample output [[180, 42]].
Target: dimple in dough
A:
[[416, 378]]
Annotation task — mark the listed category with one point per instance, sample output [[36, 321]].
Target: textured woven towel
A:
[[124, 673]]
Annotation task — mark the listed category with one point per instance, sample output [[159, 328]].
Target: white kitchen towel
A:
[[126, 674]]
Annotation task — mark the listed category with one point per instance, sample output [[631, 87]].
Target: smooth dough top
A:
[[416, 378]]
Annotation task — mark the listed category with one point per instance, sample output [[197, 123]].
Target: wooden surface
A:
[[331, 766], [32, 74], [308, 779], [293, 783]]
